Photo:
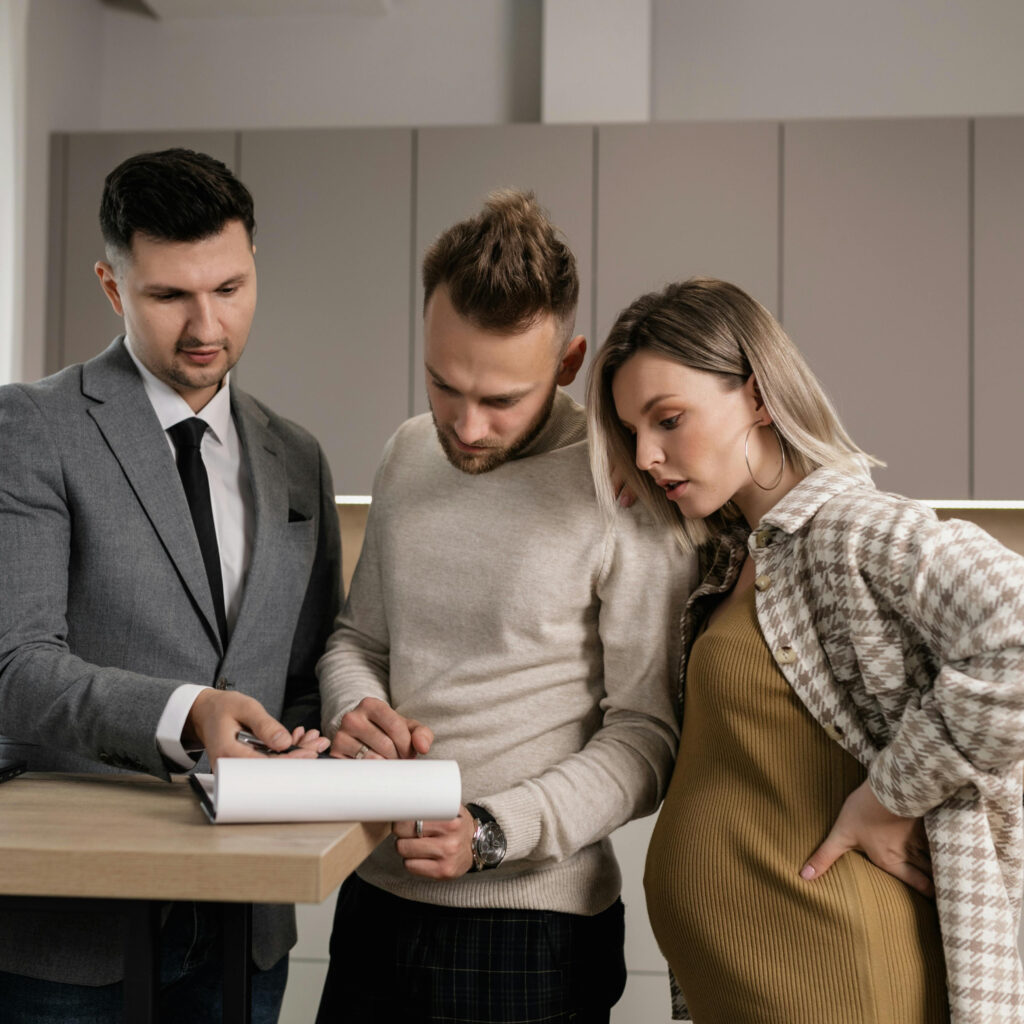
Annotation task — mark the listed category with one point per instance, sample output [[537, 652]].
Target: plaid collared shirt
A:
[[904, 637]]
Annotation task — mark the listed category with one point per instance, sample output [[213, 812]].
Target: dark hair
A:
[[505, 267], [175, 195]]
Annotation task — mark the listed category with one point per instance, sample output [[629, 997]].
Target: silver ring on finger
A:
[[361, 752], [419, 829]]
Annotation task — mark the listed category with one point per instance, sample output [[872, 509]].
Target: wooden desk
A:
[[141, 842]]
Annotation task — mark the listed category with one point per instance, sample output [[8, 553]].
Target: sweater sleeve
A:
[[356, 661], [963, 593], [623, 770]]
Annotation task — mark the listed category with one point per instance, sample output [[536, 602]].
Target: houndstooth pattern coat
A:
[[904, 637]]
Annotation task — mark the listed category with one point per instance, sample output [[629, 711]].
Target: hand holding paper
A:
[[443, 850], [374, 729]]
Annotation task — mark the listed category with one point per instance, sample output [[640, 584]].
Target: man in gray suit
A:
[[171, 569]]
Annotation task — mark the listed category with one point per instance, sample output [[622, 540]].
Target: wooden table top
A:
[[135, 837]]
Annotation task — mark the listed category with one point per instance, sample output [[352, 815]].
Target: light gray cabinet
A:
[[457, 167], [856, 233], [875, 287], [80, 320], [998, 307], [676, 200], [330, 343]]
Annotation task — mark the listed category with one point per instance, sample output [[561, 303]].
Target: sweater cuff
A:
[[517, 813]]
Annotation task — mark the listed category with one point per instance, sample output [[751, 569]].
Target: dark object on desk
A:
[[9, 768]]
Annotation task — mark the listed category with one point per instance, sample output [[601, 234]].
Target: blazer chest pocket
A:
[[872, 660]]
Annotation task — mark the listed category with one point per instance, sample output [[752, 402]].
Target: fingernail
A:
[[807, 872]]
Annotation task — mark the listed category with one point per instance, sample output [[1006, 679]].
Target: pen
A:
[[257, 744]]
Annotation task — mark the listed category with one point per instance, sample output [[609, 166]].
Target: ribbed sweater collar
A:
[[566, 425]]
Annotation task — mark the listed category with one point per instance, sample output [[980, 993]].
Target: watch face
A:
[[490, 843]]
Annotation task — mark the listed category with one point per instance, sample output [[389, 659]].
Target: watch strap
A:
[[481, 819], [481, 814]]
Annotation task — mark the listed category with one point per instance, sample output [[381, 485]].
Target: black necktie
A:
[[187, 437]]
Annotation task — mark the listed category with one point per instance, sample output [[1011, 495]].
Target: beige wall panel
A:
[[86, 323], [675, 200], [457, 167], [630, 843], [998, 307], [647, 999], [330, 344], [875, 287]]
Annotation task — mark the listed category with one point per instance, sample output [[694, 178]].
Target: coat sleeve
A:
[[962, 594]]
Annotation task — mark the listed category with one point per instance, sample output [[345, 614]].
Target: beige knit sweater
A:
[[535, 639]]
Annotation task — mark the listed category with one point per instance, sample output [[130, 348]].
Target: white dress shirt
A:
[[234, 519]]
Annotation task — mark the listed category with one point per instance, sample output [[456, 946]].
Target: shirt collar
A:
[[723, 558], [801, 504], [171, 408]]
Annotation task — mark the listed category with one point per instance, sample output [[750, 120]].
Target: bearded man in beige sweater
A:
[[497, 618]]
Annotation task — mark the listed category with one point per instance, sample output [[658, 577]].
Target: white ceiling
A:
[[168, 9]]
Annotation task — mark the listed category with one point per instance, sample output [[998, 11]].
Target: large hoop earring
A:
[[746, 456]]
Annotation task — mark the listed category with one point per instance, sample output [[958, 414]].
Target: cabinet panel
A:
[[86, 323], [875, 287], [456, 169], [677, 200], [998, 306], [330, 343]]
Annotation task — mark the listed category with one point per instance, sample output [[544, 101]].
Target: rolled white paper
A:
[[250, 789]]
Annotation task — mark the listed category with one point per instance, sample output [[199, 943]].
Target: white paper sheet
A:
[[247, 789]]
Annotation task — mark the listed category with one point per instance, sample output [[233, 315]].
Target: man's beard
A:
[[496, 455]]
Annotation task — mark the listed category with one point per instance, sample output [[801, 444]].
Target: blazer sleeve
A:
[[962, 594], [48, 696]]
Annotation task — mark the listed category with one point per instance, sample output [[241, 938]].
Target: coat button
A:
[[763, 582], [832, 731], [223, 684], [785, 655], [762, 537]]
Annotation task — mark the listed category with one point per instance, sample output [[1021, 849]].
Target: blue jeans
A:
[[190, 983]]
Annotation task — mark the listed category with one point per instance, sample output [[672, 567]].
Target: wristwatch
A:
[[489, 844]]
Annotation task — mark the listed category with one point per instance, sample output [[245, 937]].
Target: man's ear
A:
[[108, 282], [571, 361]]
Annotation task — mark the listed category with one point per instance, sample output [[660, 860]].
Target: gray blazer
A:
[[105, 607]]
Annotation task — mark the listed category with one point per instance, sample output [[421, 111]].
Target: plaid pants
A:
[[398, 960]]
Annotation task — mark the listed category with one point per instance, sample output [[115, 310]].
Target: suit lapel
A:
[[130, 427], [269, 480]]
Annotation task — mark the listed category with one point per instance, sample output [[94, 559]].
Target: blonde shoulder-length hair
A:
[[713, 326]]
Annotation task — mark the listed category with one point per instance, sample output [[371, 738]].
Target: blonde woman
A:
[[842, 839]]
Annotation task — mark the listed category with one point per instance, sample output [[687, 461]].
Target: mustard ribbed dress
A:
[[756, 789]]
